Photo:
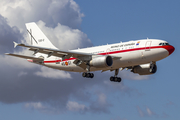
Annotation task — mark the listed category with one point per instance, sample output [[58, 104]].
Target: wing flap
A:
[[45, 51]]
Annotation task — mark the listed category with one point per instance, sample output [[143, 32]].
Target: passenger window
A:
[[160, 43]]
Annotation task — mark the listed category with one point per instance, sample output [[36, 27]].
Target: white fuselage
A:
[[127, 54]]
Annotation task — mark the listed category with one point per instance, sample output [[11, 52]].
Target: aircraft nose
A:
[[170, 49]]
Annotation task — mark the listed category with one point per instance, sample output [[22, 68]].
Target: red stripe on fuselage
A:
[[119, 51], [135, 49], [54, 61]]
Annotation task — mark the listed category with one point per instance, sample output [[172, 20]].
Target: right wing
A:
[[56, 52]]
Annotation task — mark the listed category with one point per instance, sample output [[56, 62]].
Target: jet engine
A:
[[145, 69], [102, 61]]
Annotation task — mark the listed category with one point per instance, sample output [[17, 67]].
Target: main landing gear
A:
[[88, 74], [115, 78]]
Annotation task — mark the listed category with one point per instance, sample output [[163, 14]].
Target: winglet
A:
[[15, 44]]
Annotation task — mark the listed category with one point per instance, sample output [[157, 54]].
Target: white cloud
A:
[[22, 73], [52, 73], [74, 106], [60, 20], [18, 12], [146, 113], [141, 113], [102, 99], [35, 105], [15, 62], [100, 104], [65, 37], [149, 111], [132, 76], [44, 108]]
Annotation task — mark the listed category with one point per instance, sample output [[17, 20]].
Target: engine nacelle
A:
[[145, 69], [102, 61]]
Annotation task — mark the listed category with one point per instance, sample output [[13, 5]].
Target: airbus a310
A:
[[139, 56]]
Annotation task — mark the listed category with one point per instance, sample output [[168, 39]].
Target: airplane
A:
[[140, 56]]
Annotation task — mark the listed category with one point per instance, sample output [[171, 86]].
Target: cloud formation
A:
[[74, 106], [51, 73], [149, 113], [41, 88], [7, 35], [52, 12], [64, 37]]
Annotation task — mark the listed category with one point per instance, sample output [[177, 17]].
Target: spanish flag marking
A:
[[66, 63], [138, 43]]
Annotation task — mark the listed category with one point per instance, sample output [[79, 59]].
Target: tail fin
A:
[[37, 37]]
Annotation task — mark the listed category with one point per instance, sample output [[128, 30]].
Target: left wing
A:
[[26, 57]]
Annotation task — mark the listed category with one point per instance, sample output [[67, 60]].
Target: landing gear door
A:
[[148, 46]]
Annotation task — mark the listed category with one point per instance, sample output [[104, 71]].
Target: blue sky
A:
[[26, 93]]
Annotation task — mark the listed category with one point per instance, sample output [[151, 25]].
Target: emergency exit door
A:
[[148, 46]]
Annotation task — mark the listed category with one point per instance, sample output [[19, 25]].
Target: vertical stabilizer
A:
[[37, 37]]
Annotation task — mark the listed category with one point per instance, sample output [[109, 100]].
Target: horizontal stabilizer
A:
[[15, 44], [25, 57]]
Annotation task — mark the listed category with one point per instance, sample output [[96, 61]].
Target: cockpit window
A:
[[163, 44]]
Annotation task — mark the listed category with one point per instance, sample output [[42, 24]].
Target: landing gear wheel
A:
[[84, 74], [88, 75], [111, 78], [92, 75], [115, 79], [119, 79]]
